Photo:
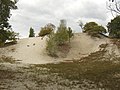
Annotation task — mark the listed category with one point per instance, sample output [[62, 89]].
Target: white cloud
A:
[[37, 13]]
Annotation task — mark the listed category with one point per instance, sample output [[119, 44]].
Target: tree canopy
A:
[[46, 30], [114, 27], [94, 29], [31, 33], [5, 7], [5, 27]]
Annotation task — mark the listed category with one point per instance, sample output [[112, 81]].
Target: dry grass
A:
[[6, 59], [92, 72]]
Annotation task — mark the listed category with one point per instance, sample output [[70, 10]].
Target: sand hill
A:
[[32, 50]]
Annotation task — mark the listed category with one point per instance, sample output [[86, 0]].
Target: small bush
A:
[[46, 30], [61, 36], [51, 45], [31, 32], [94, 29], [58, 40]]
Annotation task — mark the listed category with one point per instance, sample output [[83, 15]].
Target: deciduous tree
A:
[[114, 27], [94, 29]]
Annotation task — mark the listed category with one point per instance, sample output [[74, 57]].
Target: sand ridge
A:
[[33, 50]]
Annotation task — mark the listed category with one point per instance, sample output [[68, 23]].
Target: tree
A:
[[32, 34], [62, 33], [114, 6], [46, 30], [58, 40], [51, 45], [89, 26], [5, 27], [114, 27], [94, 29], [70, 33]]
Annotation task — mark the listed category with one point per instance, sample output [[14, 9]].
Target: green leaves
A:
[[94, 29], [5, 28], [114, 27], [58, 39], [46, 30], [32, 34]]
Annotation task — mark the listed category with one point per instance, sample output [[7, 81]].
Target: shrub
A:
[[94, 29], [7, 35], [114, 27], [61, 36], [56, 40], [46, 30], [62, 33], [31, 32], [70, 33], [51, 45]]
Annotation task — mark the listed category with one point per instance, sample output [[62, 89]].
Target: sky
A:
[[38, 13]]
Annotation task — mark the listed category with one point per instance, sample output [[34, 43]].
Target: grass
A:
[[87, 73], [6, 59], [93, 70]]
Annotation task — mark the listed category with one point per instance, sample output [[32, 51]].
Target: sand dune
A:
[[29, 50], [82, 45], [32, 50]]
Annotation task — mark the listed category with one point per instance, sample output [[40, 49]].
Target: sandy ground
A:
[[82, 45], [29, 50], [32, 50]]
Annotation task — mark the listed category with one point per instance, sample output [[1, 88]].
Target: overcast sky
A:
[[37, 13]]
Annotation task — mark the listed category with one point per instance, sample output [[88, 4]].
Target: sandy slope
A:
[[26, 51], [29, 50], [82, 45]]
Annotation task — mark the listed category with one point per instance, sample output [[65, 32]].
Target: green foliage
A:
[[5, 7], [114, 27], [7, 35], [70, 33], [58, 39], [3, 35], [89, 26], [94, 29], [46, 30], [62, 33], [51, 45], [32, 34]]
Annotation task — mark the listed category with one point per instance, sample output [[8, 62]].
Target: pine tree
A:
[[5, 27], [32, 34]]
